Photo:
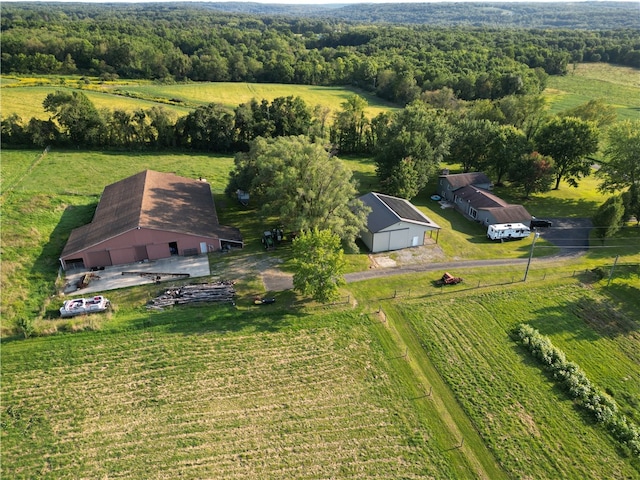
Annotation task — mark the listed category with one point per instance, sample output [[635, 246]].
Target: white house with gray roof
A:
[[394, 223]]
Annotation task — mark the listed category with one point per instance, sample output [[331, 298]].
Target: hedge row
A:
[[569, 375]]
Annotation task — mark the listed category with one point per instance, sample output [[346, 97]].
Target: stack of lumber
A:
[[204, 292]]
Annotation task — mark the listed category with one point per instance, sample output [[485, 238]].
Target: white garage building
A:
[[394, 223]]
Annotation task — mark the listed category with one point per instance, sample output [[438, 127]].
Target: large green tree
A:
[[526, 112], [609, 217], [209, 127], [621, 169], [570, 141], [533, 172], [415, 142], [471, 142], [302, 185], [507, 145], [75, 113], [603, 114], [349, 128], [318, 264]]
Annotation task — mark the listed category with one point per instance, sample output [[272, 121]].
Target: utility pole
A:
[[612, 269], [533, 243]]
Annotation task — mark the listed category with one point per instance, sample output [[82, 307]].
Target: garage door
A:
[[399, 240]]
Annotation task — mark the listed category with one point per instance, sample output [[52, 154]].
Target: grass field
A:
[[617, 86], [518, 410], [24, 96], [314, 393], [203, 394]]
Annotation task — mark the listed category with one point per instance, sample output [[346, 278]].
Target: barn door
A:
[[141, 253], [415, 241]]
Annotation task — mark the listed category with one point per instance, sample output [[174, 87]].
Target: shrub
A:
[[600, 405]]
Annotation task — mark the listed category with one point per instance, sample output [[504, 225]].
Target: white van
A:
[[508, 231]]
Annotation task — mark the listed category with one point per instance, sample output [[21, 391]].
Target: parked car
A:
[[539, 223]]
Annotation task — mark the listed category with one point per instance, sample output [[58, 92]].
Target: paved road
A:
[[570, 234]]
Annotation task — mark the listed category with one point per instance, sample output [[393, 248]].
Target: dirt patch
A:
[[430, 253], [239, 266], [275, 280], [527, 420]]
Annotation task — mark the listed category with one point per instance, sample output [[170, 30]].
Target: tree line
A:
[[512, 138], [396, 62]]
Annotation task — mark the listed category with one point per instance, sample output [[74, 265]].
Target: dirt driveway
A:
[[380, 264]]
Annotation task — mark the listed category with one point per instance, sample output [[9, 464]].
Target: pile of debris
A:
[[204, 292]]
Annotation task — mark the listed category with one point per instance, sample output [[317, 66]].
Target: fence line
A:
[[441, 289]]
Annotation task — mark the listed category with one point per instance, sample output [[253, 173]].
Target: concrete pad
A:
[[385, 262], [111, 278]]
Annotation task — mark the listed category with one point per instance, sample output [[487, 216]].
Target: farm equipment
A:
[[157, 277], [267, 240], [448, 279]]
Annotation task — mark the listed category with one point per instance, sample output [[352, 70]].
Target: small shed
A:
[[148, 216], [394, 223]]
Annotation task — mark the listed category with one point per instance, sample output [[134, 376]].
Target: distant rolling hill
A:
[[594, 15]]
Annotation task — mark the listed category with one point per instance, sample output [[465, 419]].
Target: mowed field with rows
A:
[[530, 424], [309, 392], [195, 394]]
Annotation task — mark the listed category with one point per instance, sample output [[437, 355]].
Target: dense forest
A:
[[195, 42], [593, 15]]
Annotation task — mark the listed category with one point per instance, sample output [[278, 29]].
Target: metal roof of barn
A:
[[153, 200], [387, 210]]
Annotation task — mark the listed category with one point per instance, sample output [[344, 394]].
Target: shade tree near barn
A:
[[302, 185], [570, 141], [318, 264]]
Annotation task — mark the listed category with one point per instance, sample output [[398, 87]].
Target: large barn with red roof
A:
[[149, 216]]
